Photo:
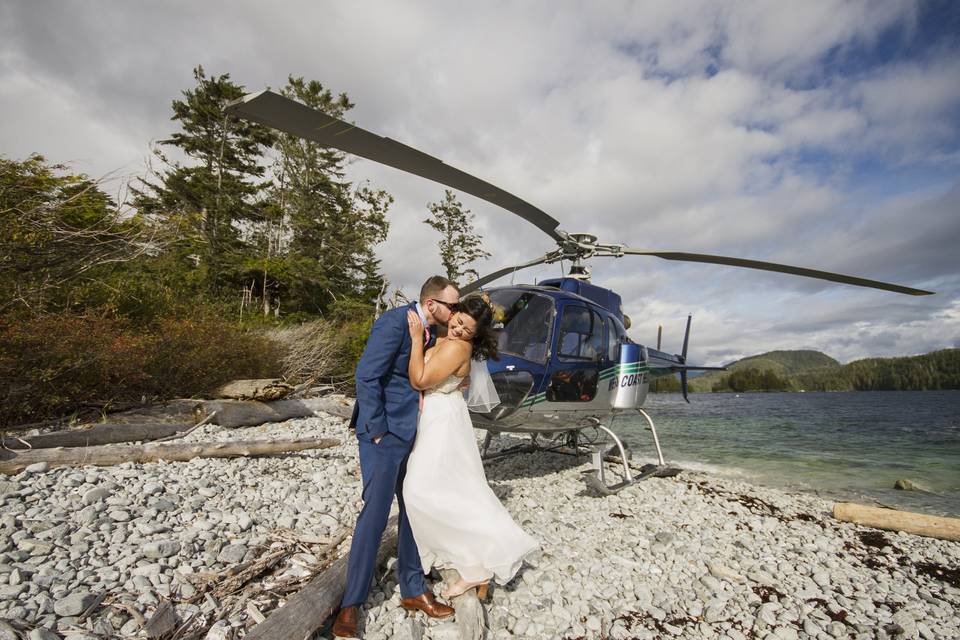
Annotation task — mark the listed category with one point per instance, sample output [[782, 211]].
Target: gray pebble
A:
[[161, 549], [96, 494], [232, 553], [74, 604]]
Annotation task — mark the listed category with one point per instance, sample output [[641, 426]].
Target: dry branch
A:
[[246, 589], [312, 350], [311, 606], [102, 456]]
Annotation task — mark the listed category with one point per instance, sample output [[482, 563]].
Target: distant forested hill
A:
[[767, 371], [815, 371]]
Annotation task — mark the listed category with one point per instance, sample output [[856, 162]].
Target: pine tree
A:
[[214, 195], [459, 244], [324, 228]]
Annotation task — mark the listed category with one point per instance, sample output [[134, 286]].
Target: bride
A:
[[457, 520]]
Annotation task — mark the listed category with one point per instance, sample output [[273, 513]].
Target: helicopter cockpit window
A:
[[581, 335], [524, 320]]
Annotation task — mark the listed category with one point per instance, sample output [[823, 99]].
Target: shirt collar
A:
[[423, 318]]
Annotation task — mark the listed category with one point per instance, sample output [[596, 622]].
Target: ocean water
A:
[[843, 446]]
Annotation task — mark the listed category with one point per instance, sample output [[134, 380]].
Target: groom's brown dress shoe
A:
[[428, 604], [345, 625]]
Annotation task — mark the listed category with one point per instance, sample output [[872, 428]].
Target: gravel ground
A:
[[693, 556]]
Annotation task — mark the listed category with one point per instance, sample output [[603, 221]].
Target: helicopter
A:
[[566, 363]]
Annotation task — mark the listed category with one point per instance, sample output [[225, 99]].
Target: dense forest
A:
[[815, 371]]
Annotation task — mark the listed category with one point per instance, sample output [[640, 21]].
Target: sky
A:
[[823, 134]]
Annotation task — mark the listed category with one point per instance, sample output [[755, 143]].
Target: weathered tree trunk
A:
[[263, 390], [179, 410], [11, 463], [892, 520], [96, 434], [248, 413], [306, 611]]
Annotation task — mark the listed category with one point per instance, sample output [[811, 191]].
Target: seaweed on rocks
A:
[[935, 570], [876, 539], [806, 517], [755, 505], [893, 606], [875, 551], [767, 593], [635, 618], [839, 615]]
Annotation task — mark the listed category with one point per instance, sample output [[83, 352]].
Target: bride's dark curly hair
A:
[[485, 339]]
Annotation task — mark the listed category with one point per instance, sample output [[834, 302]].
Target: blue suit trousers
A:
[[383, 466]]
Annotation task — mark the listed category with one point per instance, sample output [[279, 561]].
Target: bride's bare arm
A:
[[446, 358]]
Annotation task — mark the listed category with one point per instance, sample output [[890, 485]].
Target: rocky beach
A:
[[93, 552]]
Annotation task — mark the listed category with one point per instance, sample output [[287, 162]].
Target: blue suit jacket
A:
[[385, 399]]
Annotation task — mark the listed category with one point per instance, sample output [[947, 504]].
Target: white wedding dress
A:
[[457, 520]]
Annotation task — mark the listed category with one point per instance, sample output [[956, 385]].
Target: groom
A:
[[385, 417]]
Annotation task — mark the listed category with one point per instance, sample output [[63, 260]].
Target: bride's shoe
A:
[[461, 588]]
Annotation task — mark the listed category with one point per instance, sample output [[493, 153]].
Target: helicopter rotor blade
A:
[[282, 113], [779, 268], [490, 277]]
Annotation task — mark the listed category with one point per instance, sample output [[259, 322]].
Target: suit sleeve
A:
[[386, 338]]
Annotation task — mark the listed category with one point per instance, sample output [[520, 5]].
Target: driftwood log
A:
[[179, 410], [892, 520], [306, 611], [104, 456], [250, 413], [263, 390], [96, 434]]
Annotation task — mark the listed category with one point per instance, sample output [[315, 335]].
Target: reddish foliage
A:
[[52, 364]]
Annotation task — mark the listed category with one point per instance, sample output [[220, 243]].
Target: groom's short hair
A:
[[434, 286]]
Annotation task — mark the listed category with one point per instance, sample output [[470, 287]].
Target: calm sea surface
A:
[[840, 445]]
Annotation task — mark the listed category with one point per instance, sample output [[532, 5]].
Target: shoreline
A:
[[695, 556]]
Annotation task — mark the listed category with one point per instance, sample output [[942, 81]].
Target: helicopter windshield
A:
[[524, 319]]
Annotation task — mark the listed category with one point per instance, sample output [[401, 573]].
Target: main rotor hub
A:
[[583, 238], [580, 246]]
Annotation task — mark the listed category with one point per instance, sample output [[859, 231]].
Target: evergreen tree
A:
[[323, 229], [459, 243], [214, 195]]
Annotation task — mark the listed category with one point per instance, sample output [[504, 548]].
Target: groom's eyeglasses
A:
[[453, 306]]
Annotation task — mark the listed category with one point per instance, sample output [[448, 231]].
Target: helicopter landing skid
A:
[[596, 478]]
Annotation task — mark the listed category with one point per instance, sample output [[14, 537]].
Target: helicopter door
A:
[[579, 353]]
